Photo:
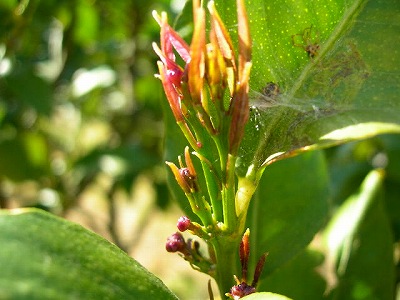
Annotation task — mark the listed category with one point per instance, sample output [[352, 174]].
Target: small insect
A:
[[271, 90], [306, 43], [267, 95]]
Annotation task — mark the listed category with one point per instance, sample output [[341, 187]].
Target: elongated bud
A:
[[196, 67], [244, 253], [225, 46], [244, 39], [185, 176], [242, 288], [189, 162], [239, 110], [259, 268], [216, 71], [180, 177]]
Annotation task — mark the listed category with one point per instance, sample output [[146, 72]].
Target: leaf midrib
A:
[[342, 26]]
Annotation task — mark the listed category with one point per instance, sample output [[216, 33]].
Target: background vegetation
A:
[[81, 136], [79, 103], [81, 121]]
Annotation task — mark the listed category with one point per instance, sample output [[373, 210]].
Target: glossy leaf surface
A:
[[348, 90], [361, 242], [45, 257], [289, 208]]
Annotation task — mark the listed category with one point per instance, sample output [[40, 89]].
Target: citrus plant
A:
[[254, 94]]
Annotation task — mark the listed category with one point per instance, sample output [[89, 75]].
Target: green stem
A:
[[246, 190], [213, 186], [201, 208], [226, 250], [222, 153], [228, 196]]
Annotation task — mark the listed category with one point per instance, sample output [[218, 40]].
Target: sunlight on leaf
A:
[[45, 257], [360, 243], [352, 79], [346, 221], [361, 130], [288, 209]]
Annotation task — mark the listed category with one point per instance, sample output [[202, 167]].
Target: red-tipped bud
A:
[[242, 288], [183, 223], [258, 270], [175, 243], [244, 253]]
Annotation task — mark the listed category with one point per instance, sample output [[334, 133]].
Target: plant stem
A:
[[228, 196], [226, 254]]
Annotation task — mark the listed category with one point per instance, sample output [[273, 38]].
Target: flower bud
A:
[[183, 223], [241, 290], [175, 243], [188, 178]]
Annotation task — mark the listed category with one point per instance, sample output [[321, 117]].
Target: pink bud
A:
[[183, 223], [175, 243]]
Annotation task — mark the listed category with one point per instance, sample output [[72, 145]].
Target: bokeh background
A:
[[81, 123]]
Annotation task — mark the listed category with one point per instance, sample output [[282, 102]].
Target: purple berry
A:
[[183, 223]]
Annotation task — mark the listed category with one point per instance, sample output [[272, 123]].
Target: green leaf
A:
[[298, 279], [31, 90], [348, 91], [23, 157], [124, 162], [360, 241], [265, 296], [289, 207], [45, 257]]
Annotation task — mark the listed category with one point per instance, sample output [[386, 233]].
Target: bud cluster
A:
[[242, 288], [190, 251], [210, 69], [208, 96], [186, 176]]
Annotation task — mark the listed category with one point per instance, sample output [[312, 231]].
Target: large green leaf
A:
[[349, 90], [23, 156], [290, 206], [45, 257], [360, 241], [30, 90], [298, 279]]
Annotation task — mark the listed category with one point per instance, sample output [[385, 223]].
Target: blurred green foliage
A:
[[78, 100]]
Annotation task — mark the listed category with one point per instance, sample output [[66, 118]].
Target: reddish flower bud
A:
[[244, 253], [183, 223], [189, 178], [175, 243], [241, 290]]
